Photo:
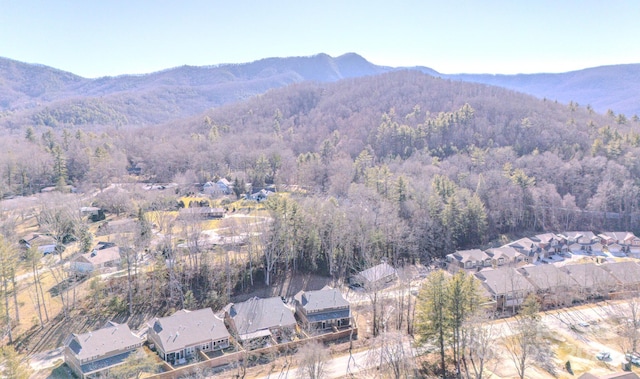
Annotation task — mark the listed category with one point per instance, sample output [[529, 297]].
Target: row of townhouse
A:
[[557, 286], [542, 246], [178, 338]]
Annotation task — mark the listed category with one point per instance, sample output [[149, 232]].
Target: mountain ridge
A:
[[38, 94]]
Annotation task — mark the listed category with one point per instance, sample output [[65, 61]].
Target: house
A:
[[94, 353], [617, 375], [593, 281], [582, 238], [627, 273], [322, 310], [37, 239], [595, 248], [178, 338], [92, 213], [224, 186], [622, 238], [506, 255], [633, 251], [201, 213], [548, 242], [528, 248], [104, 255], [616, 249], [123, 226], [553, 286], [257, 321], [506, 285], [261, 195], [221, 187], [576, 248], [469, 259], [47, 249], [375, 277]]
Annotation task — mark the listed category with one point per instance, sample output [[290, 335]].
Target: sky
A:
[[94, 38]]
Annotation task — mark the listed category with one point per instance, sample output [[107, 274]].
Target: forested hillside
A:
[[39, 95], [402, 165], [43, 96], [603, 88]]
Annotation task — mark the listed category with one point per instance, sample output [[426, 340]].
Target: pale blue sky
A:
[[98, 38]]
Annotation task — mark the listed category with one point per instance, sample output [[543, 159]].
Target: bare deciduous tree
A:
[[312, 361], [525, 340], [393, 356], [479, 336]]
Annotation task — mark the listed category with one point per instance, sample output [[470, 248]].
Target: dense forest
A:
[[401, 165]]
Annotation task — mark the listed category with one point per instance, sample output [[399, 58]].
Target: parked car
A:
[[603, 356], [634, 359]]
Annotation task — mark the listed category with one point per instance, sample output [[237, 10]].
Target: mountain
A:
[[39, 95], [43, 95], [606, 87]]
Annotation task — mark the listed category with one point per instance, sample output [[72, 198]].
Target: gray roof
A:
[[626, 272], [258, 314], [375, 273], [583, 237], [546, 237], [506, 251], [524, 245], [617, 236], [112, 337], [546, 277], [187, 328], [472, 254], [505, 280], [101, 256], [589, 275], [314, 301]]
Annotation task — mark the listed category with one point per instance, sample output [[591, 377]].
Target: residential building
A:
[[375, 277], [94, 353], [553, 286], [178, 338], [221, 187], [548, 242], [627, 274], [528, 248], [593, 281], [104, 255], [579, 237], [622, 238], [505, 256], [507, 287], [201, 213], [617, 375], [257, 321], [469, 259], [322, 310]]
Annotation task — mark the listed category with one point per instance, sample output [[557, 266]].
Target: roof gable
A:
[[378, 272], [330, 298], [186, 328], [112, 337], [546, 277], [258, 314], [504, 280]]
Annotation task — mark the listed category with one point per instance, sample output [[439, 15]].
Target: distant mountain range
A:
[[39, 95]]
